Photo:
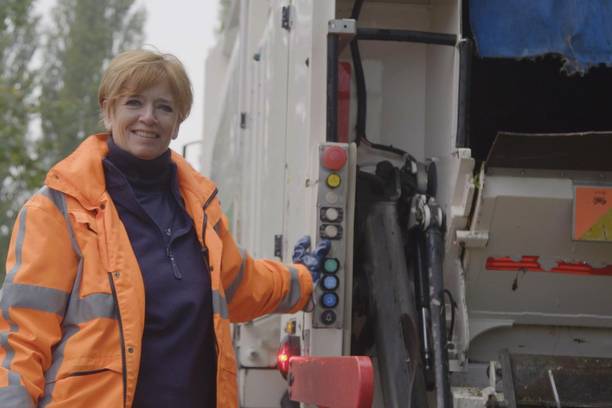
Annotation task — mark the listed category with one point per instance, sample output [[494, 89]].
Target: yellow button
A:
[[333, 180]]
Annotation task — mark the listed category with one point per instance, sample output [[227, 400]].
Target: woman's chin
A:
[[145, 154]]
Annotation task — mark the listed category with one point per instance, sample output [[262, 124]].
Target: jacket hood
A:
[[81, 174]]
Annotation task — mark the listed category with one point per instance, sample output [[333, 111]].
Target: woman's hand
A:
[[313, 260]]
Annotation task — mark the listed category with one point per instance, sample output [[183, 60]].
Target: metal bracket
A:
[[278, 246], [344, 29], [345, 26], [472, 239], [286, 22]]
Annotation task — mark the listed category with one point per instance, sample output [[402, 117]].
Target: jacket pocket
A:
[[84, 366], [78, 385]]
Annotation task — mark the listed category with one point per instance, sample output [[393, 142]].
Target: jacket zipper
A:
[[121, 338], [206, 256], [204, 221], [209, 200]]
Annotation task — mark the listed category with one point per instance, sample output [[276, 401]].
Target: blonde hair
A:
[[133, 71]]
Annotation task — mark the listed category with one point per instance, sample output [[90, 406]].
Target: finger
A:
[[310, 262], [304, 242], [298, 254], [301, 248], [322, 249]]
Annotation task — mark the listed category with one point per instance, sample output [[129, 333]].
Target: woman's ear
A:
[[175, 131]]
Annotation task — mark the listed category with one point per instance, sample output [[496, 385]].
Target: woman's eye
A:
[[166, 108], [132, 102]]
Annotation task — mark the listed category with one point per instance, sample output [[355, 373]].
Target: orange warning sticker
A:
[[593, 213]]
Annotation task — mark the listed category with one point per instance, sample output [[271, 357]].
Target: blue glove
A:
[[312, 260]]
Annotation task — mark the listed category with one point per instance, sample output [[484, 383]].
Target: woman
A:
[[122, 276]]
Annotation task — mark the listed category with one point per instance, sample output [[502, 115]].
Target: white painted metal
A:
[[526, 214], [263, 136], [455, 193], [249, 163], [471, 397], [540, 339], [305, 128], [258, 342], [261, 388]]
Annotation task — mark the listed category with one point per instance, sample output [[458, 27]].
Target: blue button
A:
[[330, 282], [329, 299]]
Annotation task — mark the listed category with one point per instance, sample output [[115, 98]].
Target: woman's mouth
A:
[[146, 134]]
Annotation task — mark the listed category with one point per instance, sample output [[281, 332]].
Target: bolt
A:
[[418, 215]]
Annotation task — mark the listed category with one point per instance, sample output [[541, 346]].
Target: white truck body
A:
[[266, 117]]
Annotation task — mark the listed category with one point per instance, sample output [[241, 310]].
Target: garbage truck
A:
[[457, 155]]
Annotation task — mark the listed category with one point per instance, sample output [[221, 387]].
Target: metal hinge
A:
[[278, 246], [243, 120], [286, 22]]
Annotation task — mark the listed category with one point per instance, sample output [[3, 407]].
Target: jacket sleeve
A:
[[255, 287], [40, 267]]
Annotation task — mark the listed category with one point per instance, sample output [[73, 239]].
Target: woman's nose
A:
[[148, 115]]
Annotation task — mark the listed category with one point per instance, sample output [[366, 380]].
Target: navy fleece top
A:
[[178, 361]]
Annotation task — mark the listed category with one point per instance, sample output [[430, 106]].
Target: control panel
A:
[[334, 193]]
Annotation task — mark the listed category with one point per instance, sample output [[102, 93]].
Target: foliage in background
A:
[[18, 172], [85, 35], [60, 95], [224, 10]]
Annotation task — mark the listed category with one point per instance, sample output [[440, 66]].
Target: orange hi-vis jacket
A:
[[72, 304]]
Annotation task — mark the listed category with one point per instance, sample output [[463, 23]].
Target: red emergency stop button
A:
[[334, 157]]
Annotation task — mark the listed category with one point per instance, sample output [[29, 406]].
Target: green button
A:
[[331, 265]]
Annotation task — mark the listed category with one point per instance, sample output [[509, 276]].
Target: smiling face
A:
[[144, 123]]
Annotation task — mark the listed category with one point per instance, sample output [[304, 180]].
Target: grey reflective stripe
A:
[[57, 360], [15, 396], [293, 296], [58, 199], [79, 310], [217, 227], [13, 378], [233, 287], [34, 297], [219, 304], [95, 306], [18, 246], [71, 307]]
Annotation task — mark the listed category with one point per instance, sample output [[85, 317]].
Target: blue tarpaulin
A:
[[579, 30]]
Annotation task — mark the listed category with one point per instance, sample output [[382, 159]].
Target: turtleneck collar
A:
[[141, 173]]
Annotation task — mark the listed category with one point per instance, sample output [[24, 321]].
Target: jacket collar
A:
[[81, 174]]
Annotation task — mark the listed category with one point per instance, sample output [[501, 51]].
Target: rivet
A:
[[130, 350], [117, 274]]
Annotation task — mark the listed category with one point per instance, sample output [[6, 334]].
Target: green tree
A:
[[17, 46], [84, 36]]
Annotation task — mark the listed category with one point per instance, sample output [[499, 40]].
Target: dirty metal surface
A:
[[581, 382], [567, 151]]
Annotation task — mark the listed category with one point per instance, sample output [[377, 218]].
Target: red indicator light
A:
[[290, 347], [334, 157]]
